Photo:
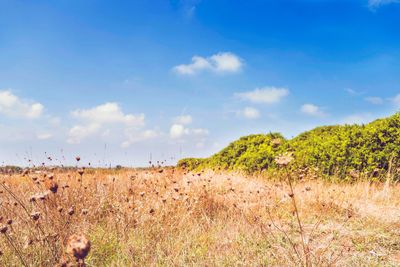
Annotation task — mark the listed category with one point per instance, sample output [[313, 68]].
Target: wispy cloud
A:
[[375, 100], [373, 4], [223, 62], [265, 95], [396, 100], [187, 7], [358, 118], [134, 136], [179, 131], [183, 119], [312, 110], [249, 113], [353, 92]]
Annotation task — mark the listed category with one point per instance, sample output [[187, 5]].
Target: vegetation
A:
[[332, 150], [170, 217], [76, 216]]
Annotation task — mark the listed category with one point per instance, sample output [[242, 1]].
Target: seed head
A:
[[52, 186], [3, 229], [276, 142], [71, 211], [284, 160], [78, 246], [35, 216], [81, 171]]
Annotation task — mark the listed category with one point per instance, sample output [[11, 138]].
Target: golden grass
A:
[[166, 217]]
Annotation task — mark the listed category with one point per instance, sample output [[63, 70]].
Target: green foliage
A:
[[335, 149], [249, 153], [190, 163]]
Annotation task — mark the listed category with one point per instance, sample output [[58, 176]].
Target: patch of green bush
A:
[[336, 149]]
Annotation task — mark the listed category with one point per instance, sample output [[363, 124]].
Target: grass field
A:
[[167, 217]]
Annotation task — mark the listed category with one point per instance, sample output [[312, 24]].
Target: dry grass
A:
[[171, 218]]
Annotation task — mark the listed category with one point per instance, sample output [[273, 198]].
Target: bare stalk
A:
[[296, 211], [16, 250]]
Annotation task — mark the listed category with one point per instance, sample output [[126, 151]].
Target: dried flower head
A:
[[81, 171], [276, 142], [3, 229], [52, 186], [71, 211], [284, 159], [78, 246], [35, 216]]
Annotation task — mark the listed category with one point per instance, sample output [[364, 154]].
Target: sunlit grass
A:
[[173, 218]]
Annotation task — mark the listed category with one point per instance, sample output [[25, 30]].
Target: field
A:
[[170, 217]]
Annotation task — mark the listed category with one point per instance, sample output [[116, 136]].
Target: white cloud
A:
[[373, 4], [108, 113], [312, 110], [266, 95], [374, 100], [183, 119], [12, 106], [226, 62], [219, 63], [134, 137], [178, 131], [79, 132], [249, 113], [95, 119]]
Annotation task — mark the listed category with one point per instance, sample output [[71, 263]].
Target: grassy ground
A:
[[172, 218]]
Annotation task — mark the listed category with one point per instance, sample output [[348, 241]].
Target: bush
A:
[[337, 149], [190, 163]]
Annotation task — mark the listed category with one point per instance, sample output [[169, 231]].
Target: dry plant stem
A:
[[286, 235], [16, 198], [16, 250], [27, 212], [277, 227], [389, 175], [305, 247]]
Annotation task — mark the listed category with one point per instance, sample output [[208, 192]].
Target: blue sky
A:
[[123, 82]]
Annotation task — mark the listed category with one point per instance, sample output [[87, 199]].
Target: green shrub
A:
[[190, 163], [336, 149]]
